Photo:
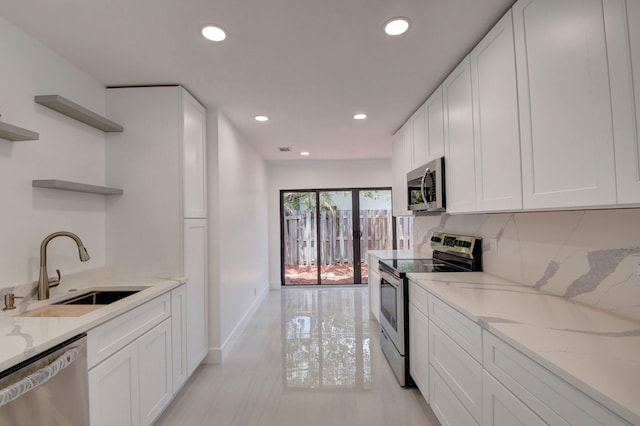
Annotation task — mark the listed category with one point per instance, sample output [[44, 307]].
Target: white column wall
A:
[[310, 174], [67, 149]]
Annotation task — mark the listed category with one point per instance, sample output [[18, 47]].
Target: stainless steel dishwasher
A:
[[49, 389]]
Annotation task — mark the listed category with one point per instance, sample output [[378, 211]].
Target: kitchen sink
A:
[[98, 297]]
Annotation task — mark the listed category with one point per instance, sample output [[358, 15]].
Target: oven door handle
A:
[[391, 279], [38, 377]]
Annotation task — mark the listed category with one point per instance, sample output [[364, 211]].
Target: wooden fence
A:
[[336, 236]]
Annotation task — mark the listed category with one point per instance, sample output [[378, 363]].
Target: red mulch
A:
[[331, 274]]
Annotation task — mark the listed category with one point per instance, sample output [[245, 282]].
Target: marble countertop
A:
[[23, 337], [595, 351], [395, 254]]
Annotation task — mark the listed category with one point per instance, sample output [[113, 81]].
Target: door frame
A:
[[355, 219]]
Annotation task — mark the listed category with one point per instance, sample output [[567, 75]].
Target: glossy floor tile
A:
[[309, 356]]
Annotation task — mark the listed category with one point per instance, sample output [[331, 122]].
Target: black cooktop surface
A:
[[401, 267]]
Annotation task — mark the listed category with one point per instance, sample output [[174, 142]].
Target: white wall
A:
[[310, 174], [238, 231], [66, 150], [585, 255]]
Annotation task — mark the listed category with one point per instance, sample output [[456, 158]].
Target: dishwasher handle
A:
[[39, 377]]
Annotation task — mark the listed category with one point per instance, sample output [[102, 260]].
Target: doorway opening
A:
[[326, 234]]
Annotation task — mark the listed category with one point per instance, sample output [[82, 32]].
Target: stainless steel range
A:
[[451, 253]]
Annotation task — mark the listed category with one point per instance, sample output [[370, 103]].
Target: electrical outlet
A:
[[636, 259], [255, 291]]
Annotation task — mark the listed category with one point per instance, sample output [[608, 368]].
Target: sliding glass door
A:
[[326, 234]]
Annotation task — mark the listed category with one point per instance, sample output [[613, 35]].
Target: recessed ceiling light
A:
[[360, 116], [396, 26], [305, 153], [213, 33], [261, 118]]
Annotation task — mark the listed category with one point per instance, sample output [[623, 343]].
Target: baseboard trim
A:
[[219, 354]]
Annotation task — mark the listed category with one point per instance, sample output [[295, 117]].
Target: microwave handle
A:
[[422, 191]]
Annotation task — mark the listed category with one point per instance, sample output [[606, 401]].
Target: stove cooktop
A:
[[401, 267]]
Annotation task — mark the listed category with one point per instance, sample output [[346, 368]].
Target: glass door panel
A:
[[336, 237], [376, 225], [299, 237]]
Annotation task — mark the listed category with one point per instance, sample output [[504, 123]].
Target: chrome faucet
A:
[[43, 280]]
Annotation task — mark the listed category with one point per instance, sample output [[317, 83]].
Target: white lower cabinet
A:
[[374, 286], [133, 386], [179, 336], [155, 372], [502, 408], [419, 348], [447, 408], [114, 393]]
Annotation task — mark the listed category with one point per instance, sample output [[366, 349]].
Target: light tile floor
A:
[[309, 356]]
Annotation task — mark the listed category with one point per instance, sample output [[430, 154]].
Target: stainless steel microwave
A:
[[425, 188]]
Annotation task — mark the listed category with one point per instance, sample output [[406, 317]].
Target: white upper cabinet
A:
[[401, 163], [622, 19], [495, 120], [434, 115], [419, 142], [194, 158], [565, 107], [458, 133]]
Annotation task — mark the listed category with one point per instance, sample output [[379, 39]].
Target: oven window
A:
[[388, 304]]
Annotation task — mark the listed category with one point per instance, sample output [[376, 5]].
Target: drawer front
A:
[[418, 296], [461, 329], [445, 405], [502, 408], [106, 339], [550, 397], [460, 372]]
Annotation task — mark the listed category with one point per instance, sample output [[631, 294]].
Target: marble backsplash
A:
[[586, 255]]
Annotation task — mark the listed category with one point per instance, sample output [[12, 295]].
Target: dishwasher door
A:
[[49, 389]]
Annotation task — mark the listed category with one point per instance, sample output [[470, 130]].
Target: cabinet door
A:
[[374, 287], [114, 391], [458, 132], [502, 408], [399, 177], [565, 107], [419, 132], [623, 44], [496, 128], [194, 157], [434, 113], [154, 366], [419, 349], [445, 405], [195, 259], [179, 336]]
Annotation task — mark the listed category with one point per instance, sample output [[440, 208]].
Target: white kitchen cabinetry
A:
[[419, 338], [565, 104], [420, 153], [114, 393], [502, 408], [195, 260], [374, 285], [495, 120], [401, 159], [434, 114], [155, 370], [447, 408], [551, 398], [158, 228], [179, 336], [622, 20], [130, 366], [458, 133]]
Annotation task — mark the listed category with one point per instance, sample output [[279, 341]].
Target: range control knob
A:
[[436, 239]]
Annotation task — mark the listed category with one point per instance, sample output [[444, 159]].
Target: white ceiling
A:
[[307, 64]]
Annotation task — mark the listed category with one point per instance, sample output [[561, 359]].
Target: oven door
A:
[[392, 309]]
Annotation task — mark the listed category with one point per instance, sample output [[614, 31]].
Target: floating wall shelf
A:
[[76, 187], [15, 133], [77, 112]]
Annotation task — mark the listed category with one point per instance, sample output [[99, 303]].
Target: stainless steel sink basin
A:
[[98, 297]]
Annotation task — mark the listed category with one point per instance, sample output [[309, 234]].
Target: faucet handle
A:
[[54, 282]]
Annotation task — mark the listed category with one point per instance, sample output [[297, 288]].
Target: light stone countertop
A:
[[594, 350], [395, 254], [24, 337]]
